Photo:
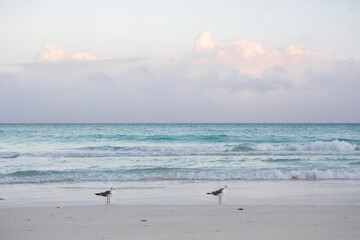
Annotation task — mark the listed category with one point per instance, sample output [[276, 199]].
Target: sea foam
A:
[[160, 174], [318, 146]]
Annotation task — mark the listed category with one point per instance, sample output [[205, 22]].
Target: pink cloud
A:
[[83, 56], [250, 57], [55, 54], [296, 50], [245, 48], [204, 42]]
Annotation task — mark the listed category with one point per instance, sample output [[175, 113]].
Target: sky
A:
[[179, 61]]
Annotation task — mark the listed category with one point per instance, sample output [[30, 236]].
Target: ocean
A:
[[52, 164]]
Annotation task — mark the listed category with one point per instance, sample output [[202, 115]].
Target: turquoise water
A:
[[157, 152], [154, 156]]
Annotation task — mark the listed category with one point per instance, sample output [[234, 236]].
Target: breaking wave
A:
[[168, 174], [318, 146], [9, 155]]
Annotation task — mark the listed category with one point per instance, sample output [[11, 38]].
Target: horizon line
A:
[[8, 123]]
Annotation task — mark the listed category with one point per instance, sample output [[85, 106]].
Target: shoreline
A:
[[181, 221], [329, 192]]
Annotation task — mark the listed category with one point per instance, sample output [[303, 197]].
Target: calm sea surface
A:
[[144, 161]]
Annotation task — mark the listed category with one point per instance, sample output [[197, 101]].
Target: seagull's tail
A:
[[209, 193], [97, 194]]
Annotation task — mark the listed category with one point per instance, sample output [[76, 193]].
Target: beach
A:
[[292, 181], [181, 222], [182, 210], [189, 120]]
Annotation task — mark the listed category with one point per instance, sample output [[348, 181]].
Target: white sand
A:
[[181, 222]]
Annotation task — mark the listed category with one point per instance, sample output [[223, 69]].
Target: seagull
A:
[[219, 193], [108, 194]]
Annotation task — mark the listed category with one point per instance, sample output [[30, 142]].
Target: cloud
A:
[[238, 81], [246, 49], [204, 42], [83, 56], [250, 57], [54, 54]]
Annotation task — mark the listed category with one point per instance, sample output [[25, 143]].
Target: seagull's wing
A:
[[103, 193], [217, 192], [107, 192]]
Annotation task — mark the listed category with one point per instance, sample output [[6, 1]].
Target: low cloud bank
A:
[[239, 81]]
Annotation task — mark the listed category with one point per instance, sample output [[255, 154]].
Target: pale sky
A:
[[179, 61]]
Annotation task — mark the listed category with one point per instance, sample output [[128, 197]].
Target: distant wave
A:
[[30, 173], [173, 138], [124, 151], [318, 146], [168, 174], [9, 155], [103, 148]]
